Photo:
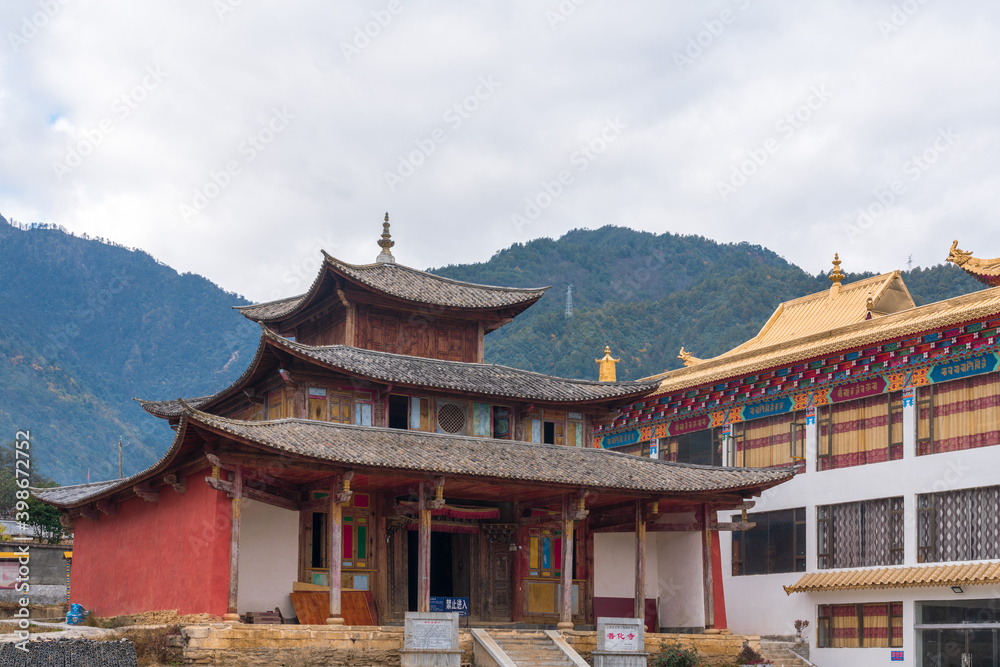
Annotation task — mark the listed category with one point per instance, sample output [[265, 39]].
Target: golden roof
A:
[[976, 574], [823, 311], [807, 328]]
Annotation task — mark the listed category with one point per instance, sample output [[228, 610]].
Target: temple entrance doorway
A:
[[450, 566]]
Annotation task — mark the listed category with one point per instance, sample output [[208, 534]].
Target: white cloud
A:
[[321, 180]]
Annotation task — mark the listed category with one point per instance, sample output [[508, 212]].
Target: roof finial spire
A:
[[607, 366], [836, 276], [386, 242]]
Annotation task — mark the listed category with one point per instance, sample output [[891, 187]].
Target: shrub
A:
[[676, 656], [748, 656]]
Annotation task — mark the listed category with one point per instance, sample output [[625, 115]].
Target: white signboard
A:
[[430, 634], [621, 638]]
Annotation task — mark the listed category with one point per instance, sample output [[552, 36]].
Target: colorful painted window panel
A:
[[481, 420], [961, 414]]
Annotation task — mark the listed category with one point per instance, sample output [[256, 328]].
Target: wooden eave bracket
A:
[[581, 512], [437, 502], [90, 512], [253, 494], [345, 494], [66, 521], [179, 485], [287, 377], [109, 508], [145, 491], [252, 396]]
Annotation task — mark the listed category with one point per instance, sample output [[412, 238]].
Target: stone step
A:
[[783, 657], [531, 648]]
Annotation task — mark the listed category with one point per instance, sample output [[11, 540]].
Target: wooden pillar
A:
[[566, 603], [706, 551], [640, 562], [520, 569], [232, 615], [424, 553], [335, 554]]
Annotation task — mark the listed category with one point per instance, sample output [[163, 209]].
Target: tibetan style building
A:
[[888, 539], [368, 462]]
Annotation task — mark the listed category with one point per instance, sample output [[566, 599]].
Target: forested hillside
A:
[[85, 326], [646, 295]]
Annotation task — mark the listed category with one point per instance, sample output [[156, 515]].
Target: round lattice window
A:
[[451, 418]]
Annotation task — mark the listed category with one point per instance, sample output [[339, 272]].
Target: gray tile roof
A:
[[68, 496], [373, 449], [482, 379], [489, 380], [404, 283]]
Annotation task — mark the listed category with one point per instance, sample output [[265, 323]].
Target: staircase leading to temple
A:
[[782, 656], [523, 648]]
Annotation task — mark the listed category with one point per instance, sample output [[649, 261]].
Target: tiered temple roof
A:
[[373, 449], [489, 380], [400, 282]]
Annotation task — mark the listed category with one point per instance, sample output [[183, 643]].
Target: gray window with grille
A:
[[958, 525], [860, 534]]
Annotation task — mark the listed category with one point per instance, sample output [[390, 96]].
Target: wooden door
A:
[[500, 585]]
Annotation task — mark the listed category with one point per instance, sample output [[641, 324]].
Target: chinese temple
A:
[[368, 462]]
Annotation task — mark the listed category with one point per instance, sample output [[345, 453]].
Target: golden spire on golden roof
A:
[[607, 366], [386, 242], [836, 275]]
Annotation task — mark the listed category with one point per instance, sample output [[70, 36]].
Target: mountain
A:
[[646, 295], [86, 325]]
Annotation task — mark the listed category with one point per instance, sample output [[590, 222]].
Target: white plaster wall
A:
[[269, 547], [758, 604], [680, 594], [614, 565]]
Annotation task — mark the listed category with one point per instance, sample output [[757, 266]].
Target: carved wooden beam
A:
[[437, 502], [253, 494], [145, 491], [628, 527]]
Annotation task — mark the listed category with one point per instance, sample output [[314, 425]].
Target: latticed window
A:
[[868, 625], [961, 414], [860, 534], [958, 525]]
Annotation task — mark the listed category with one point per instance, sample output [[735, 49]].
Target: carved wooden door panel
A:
[[500, 584]]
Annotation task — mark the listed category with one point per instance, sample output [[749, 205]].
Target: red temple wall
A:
[[170, 554]]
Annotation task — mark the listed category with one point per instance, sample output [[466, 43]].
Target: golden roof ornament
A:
[[986, 271], [688, 358], [386, 242], [607, 366], [836, 276]]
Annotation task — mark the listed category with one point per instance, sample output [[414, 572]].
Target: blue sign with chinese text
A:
[[461, 605], [897, 656]]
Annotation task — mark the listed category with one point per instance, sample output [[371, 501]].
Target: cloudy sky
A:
[[234, 138]]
